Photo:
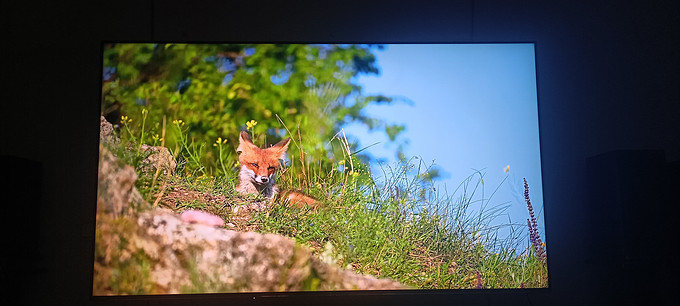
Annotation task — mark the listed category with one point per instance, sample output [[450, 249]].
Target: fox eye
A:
[[254, 165]]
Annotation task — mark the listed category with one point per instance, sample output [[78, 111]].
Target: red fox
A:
[[258, 172]]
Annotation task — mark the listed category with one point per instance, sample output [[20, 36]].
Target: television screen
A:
[[318, 167]]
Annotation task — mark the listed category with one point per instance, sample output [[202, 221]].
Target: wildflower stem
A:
[[163, 132], [125, 121], [127, 128], [141, 137], [224, 169]]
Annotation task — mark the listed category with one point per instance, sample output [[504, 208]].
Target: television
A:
[[318, 169]]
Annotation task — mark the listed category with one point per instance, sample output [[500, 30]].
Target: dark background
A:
[[609, 115]]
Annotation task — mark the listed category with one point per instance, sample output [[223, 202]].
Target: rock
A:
[[159, 158], [106, 133], [116, 192], [164, 255], [231, 261]]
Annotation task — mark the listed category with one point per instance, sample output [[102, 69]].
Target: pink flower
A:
[[201, 217]]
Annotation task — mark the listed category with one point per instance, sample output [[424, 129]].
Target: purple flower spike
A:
[[479, 281], [534, 237]]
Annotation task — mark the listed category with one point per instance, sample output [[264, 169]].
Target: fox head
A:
[[260, 164]]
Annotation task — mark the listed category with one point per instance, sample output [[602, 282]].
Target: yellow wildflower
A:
[[219, 141], [250, 124], [506, 169]]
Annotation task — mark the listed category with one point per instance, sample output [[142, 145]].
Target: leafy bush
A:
[[215, 89]]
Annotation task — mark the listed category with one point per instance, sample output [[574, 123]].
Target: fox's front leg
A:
[[246, 188]]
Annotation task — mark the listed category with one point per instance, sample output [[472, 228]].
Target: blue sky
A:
[[473, 106]]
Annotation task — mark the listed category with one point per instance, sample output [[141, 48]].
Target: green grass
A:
[[400, 227], [417, 236]]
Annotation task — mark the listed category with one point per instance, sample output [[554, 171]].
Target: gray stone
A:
[[107, 134], [116, 193], [158, 158]]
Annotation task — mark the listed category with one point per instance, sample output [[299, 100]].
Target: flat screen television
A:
[[297, 168]]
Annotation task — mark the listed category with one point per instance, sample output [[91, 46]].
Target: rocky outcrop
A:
[[117, 194], [187, 255], [159, 159], [139, 250], [107, 133]]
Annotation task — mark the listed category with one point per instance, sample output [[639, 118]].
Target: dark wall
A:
[[608, 76]]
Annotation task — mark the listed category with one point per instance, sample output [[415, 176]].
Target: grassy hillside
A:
[[395, 224]]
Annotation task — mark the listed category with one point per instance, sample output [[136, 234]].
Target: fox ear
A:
[[281, 147], [244, 142]]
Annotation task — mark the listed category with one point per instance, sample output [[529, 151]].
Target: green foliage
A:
[[216, 89]]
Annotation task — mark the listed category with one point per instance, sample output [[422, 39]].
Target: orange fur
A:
[[298, 199], [258, 171]]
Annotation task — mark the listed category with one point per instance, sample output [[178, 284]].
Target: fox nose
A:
[[264, 179]]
